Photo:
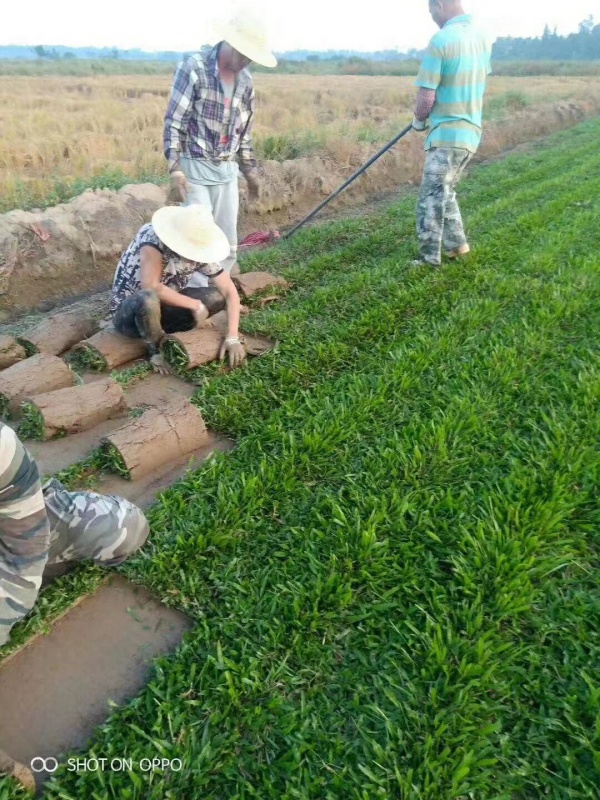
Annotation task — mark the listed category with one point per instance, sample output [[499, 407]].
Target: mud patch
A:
[[58, 689]]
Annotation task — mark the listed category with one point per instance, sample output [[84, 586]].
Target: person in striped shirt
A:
[[452, 82]]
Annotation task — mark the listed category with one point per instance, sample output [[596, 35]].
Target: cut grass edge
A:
[[175, 355], [84, 357], [32, 425]]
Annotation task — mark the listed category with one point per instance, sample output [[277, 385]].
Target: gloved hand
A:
[[419, 124], [179, 187], [254, 184], [234, 349], [200, 314]]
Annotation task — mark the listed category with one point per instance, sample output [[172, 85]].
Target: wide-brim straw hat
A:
[[247, 34], [191, 232]]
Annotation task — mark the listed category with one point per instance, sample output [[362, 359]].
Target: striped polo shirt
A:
[[456, 64]]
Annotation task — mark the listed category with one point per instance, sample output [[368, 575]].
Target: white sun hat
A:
[[191, 232], [247, 33]]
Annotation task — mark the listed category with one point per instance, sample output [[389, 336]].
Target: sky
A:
[[304, 24]]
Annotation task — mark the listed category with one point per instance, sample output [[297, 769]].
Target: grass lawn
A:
[[395, 576]]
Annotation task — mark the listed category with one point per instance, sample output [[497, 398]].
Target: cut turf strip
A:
[[107, 350], [57, 689], [11, 352], [192, 348], [145, 489], [57, 333], [36, 375], [146, 390], [201, 346], [76, 408], [158, 437], [250, 283]]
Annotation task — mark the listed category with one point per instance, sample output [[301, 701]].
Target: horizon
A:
[[367, 33]]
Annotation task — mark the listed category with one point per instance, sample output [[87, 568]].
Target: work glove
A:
[[200, 314], [253, 180], [254, 185], [419, 124], [234, 349], [179, 187]]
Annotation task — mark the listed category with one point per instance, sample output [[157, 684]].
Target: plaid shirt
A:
[[194, 119]]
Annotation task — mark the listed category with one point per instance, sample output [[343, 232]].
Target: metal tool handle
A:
[[348, 182]]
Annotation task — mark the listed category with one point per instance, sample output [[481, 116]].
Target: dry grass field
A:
[[62, 134]]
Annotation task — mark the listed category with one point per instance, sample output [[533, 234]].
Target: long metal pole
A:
[[348, 182]]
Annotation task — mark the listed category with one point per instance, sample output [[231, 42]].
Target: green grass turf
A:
[[175, 355], [86, 358], [395, 575], [32, 422]]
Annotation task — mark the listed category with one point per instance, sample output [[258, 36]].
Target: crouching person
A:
[[44, 529], [150, 298]]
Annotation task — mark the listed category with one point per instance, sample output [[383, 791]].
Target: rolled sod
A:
[[158, 437]]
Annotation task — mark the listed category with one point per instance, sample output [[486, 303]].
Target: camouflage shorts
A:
[[40, 527], [439, 221], [85, 525]]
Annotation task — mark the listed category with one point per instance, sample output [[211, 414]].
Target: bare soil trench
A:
[[55, 691]]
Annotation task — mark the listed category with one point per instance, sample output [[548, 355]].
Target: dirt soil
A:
[[55, 691]]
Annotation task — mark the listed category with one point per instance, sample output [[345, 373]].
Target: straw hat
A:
[[191, 232], [247, 34]]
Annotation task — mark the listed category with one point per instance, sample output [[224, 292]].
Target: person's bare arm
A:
[[424, 104], [151, 267], [226, 287], [232, 347], [428, 80]]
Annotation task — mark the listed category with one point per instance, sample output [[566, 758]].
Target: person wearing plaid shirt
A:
[[208, 126]]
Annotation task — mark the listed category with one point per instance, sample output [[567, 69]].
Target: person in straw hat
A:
[[150, 293], [208, 124]]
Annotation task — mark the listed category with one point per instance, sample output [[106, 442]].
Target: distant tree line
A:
[[581, 46]]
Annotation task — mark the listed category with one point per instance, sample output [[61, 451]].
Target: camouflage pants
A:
[[42, 527], [439, 221]]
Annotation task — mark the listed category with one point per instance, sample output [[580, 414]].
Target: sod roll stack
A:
[[107, 349], [74, 409], [35, 375], [192, 348]]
